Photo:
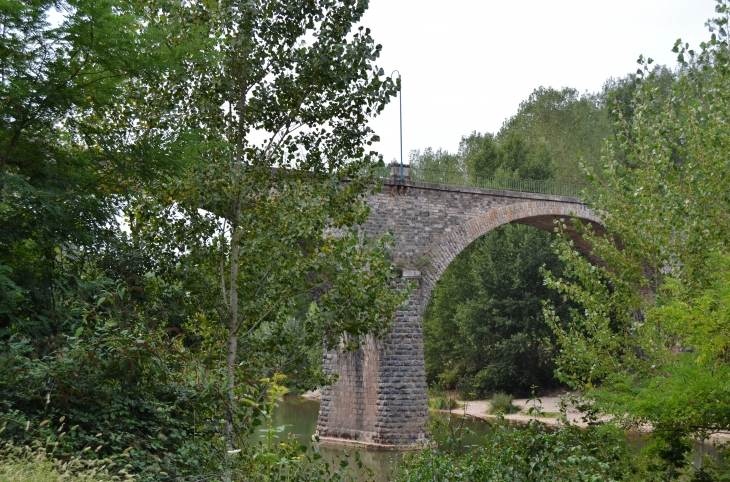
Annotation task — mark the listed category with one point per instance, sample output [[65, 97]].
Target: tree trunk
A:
[[232, 324]]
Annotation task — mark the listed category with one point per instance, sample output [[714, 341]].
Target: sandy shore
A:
[[548, 405], [312, 395]]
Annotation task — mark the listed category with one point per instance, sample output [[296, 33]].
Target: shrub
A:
[[443, 403], [501, 402], [470, 388], [120, 386], [535, 453]]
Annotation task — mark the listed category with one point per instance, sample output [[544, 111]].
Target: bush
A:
[[470, 389], [121, 386], [502, 403], [568, 453], [443, 403]]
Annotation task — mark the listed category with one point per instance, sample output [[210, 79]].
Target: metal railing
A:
[[458, 178]]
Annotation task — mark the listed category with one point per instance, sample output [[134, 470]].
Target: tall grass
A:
[[443, 403], [38, 462]]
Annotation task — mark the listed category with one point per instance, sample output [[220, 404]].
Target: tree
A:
[[522, 160], [80, 338], [66, 147], [618, 96], [266, 212], [480, 153], [485, 155], [483, 330], [431, 160], [648, 343], [163, 334], [564, 123]]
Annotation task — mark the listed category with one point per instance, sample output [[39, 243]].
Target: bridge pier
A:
[[379, 401]]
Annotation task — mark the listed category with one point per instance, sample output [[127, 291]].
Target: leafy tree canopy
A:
[[483, 330], [232, 139], [70, 142], [551, 131], [647, 342]]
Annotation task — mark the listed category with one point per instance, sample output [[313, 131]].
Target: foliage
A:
[[564, 124], [438, 160], [237, 257], [648, 343], [443, 403], [504, 157], [483, 329], [276, 457], [551, 131], [252, 226], [440, 399], [535, 453], [67, 150], [502, 403], [450, 432], [123, 386], [37, 463], [618, 97]]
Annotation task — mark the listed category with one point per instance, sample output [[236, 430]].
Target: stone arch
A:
[[539, 214], [380, 400]]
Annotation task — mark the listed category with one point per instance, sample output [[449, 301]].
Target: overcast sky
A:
[[467, 64]]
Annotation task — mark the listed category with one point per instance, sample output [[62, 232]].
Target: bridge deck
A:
[[467, 179]]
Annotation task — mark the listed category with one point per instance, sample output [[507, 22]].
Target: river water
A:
[[300, 416]]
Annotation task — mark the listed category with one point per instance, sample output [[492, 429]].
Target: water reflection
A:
[[300, 416]]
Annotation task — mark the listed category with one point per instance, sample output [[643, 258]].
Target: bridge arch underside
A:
[[540, 215], [379, 400]]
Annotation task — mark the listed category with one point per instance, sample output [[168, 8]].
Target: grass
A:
[[37, 462], [36, 470], [501, 402], [440, 399]]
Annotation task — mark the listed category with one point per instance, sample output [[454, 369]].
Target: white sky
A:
[[467, 64]]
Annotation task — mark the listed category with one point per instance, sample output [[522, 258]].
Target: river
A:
[[300, 416]]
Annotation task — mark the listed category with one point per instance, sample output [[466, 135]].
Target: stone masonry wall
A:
[[380, 397]]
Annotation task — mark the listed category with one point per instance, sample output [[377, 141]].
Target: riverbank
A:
[[479, 408], [549, 405]]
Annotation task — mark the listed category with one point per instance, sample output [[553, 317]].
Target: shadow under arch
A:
[[540, 214]]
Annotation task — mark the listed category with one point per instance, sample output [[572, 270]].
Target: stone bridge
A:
[[379, 400]]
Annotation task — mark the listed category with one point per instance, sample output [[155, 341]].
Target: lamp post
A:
[[400, 101]]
